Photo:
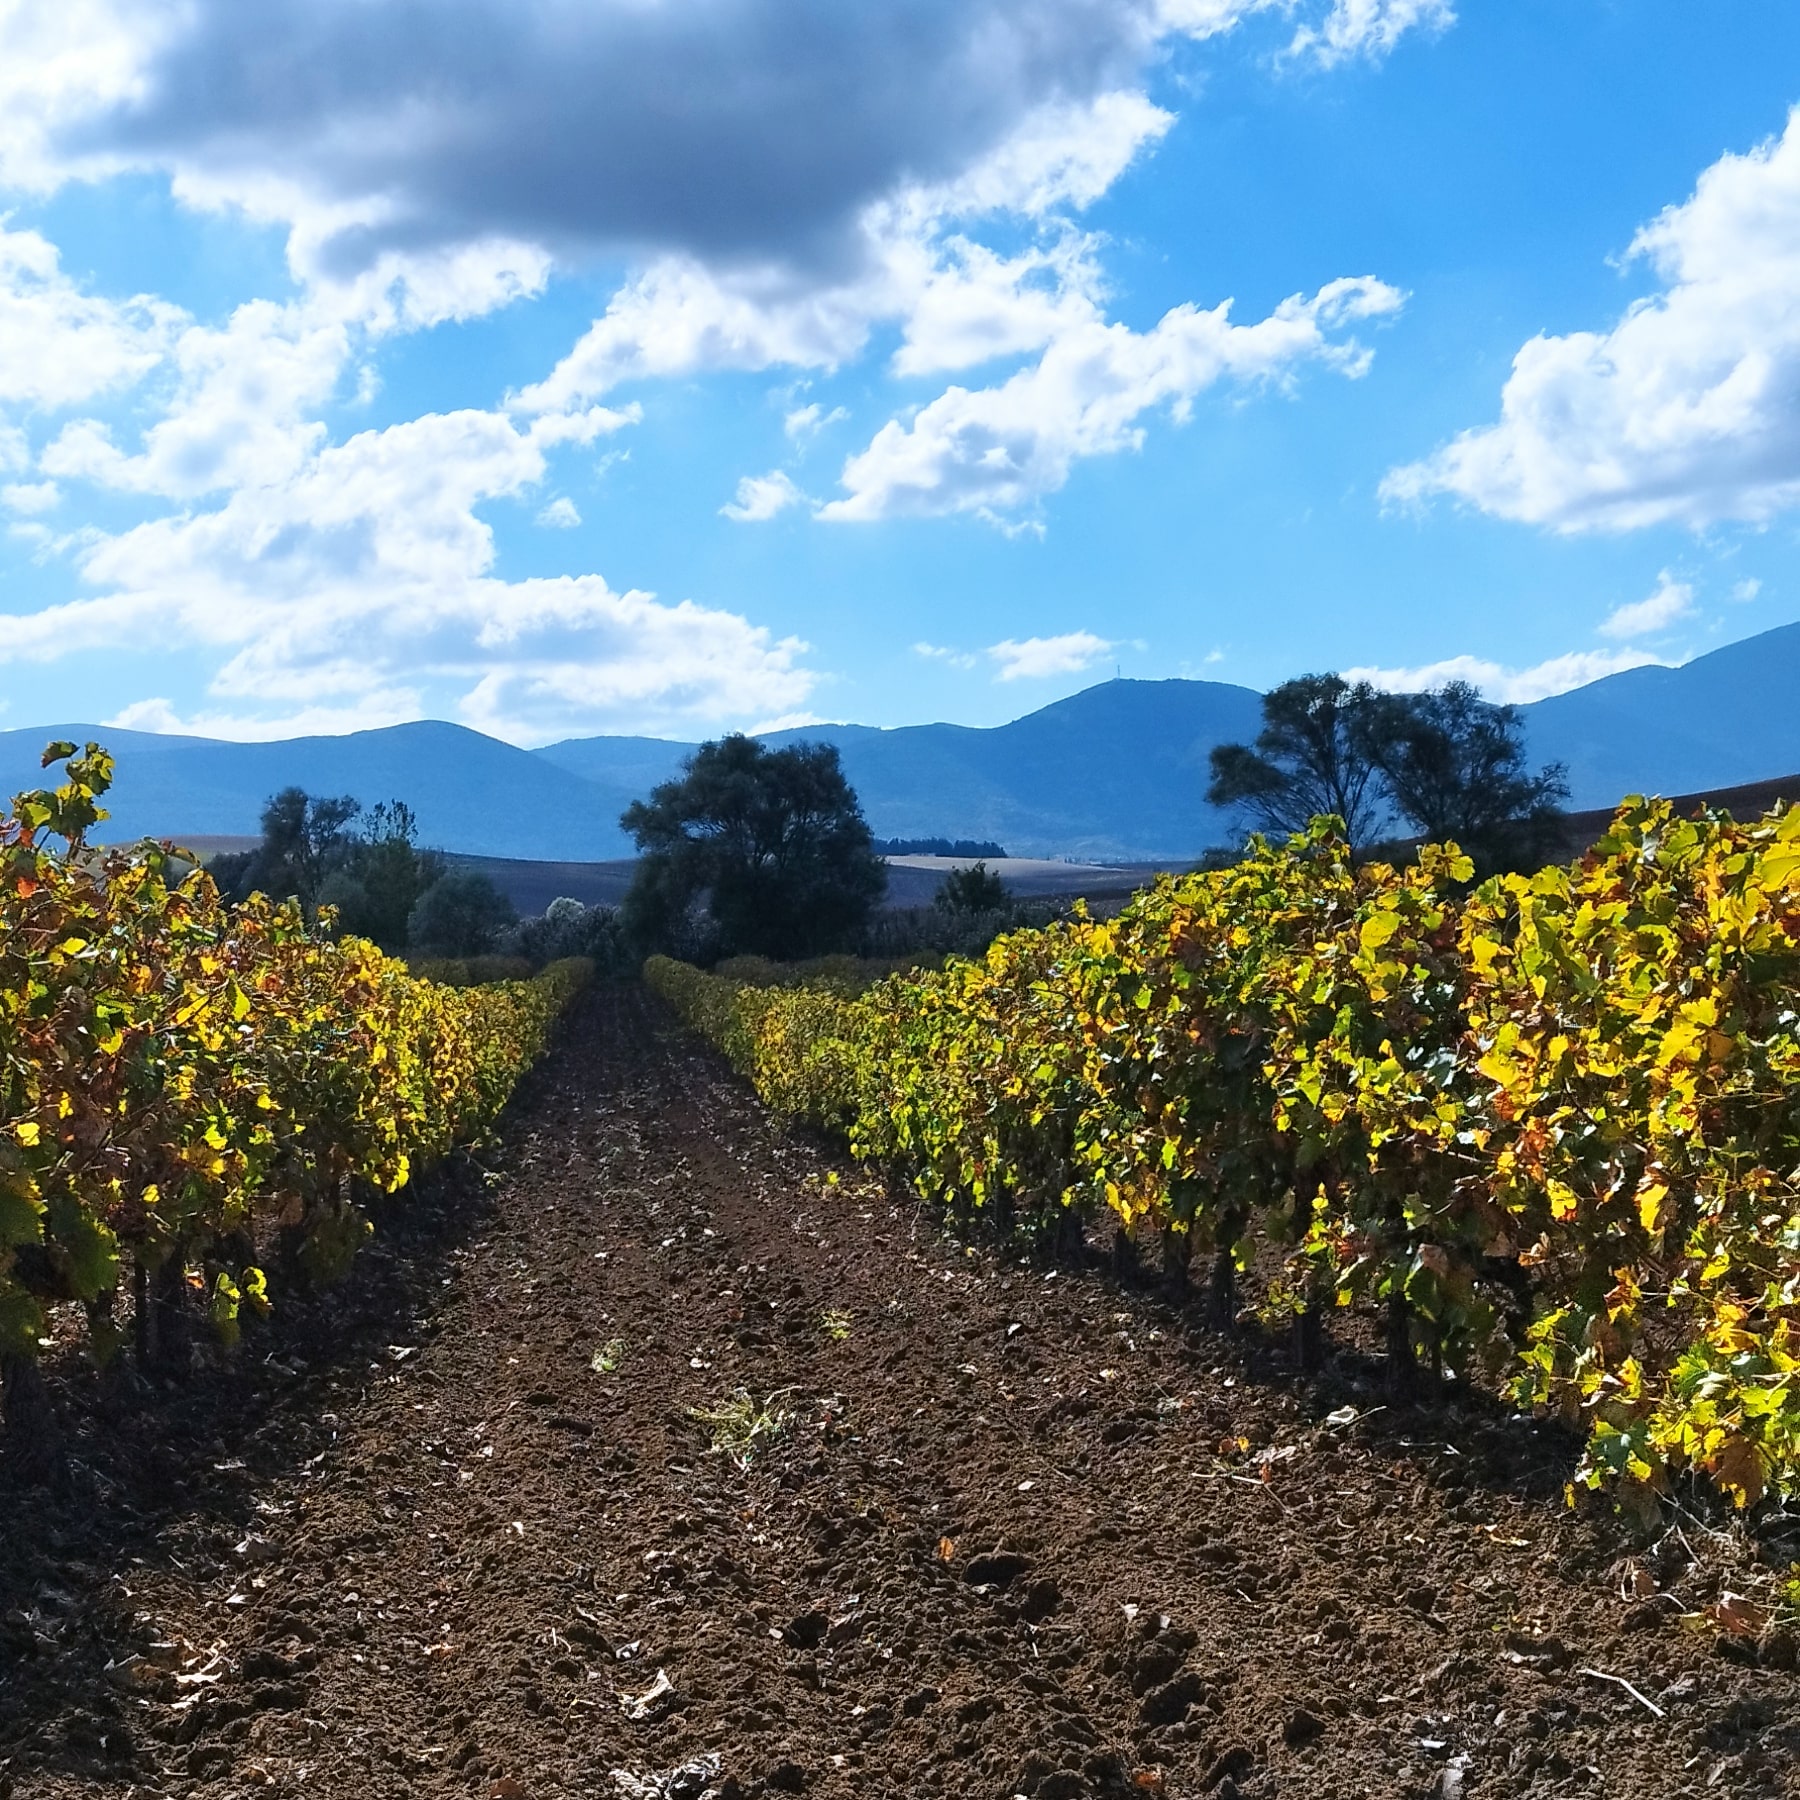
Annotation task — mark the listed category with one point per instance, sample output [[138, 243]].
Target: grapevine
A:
[[1551, 1126], [199, 1096]]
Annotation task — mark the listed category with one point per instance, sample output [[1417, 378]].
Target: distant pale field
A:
[[912, 880]]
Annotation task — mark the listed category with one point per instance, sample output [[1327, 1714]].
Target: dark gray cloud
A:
[[728, 128]]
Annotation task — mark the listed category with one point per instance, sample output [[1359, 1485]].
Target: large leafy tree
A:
[[1447, 764], [1311, 757], [772, 842], [1454, 767]]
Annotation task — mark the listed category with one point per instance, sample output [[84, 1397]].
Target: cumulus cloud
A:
[[1509, 686], [1684, 412], [1368, 28], [358, 588], [30, 496], [993, 450], [1672, 602], [805, 422], [1031, 659], [761, 497], [242, 413], [737, 131], [1746, 590], [562, 514], [60, 345]]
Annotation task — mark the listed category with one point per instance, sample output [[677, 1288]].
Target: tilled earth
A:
[[998, 1527]]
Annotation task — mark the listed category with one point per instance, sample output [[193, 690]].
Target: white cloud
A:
[[678, 317], [1368, 28], [1031, 659], [561, 514], [59, 345], [358, 588], [761, 497], [1683, 413], [762, 130], [30, 496], [1672, 601], [998, 449], [1064, 153], [976, 306], [1507, 686], [808, 421], [957, 659], [242, 415], [1746, 590], [374, 710]]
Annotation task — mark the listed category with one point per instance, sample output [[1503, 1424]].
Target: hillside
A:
[[1116, 773], [1719, 721], [471, 793]]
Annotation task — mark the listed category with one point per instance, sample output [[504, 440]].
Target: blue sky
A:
[[639, 366]]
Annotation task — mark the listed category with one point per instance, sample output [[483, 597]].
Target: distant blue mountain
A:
[[471, 793], [1728, 717], [1116, 773]]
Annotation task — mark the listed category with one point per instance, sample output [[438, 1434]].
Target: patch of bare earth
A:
[[995, 1529]]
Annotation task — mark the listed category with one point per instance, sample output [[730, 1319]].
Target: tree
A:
[[1448, 763], [303, 840], [372, 876], [1454, 767], [773, 842], [460, 914], [976, 889], [1312, 756], [391, 872]]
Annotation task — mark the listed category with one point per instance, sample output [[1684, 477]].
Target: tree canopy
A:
[[1454, 767], [771, 842], [368, 866], [1446, 764], [1311, 757], [976, 889]]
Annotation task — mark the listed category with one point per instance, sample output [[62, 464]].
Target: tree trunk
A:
[[1309, 1337], [1071, 1237], [1124, 1254], [169, 1305], [1223, 1295], [1401, 1364], [143, 1319], [33, 1436], [1177, 1252]]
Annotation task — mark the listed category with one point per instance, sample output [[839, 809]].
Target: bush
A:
[[462, 913]]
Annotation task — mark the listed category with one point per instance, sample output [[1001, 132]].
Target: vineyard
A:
[[657, 1450], [201, 1101], [1548, 1129]]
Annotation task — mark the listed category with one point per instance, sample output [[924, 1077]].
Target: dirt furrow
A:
[[997, 1528]]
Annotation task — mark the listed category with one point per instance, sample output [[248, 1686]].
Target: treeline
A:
[[971, 848], [1445, 766], [369, 868], [1549, 1126]]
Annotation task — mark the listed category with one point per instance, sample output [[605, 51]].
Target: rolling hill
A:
[[1116, 773], [471, 793]]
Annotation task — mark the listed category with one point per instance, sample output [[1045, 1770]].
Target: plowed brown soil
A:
[[1021, 1530]]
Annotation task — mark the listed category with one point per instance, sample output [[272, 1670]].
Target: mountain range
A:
[[1114, 773]]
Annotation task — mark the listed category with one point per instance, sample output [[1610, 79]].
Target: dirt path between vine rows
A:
[[1021, 1531]]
